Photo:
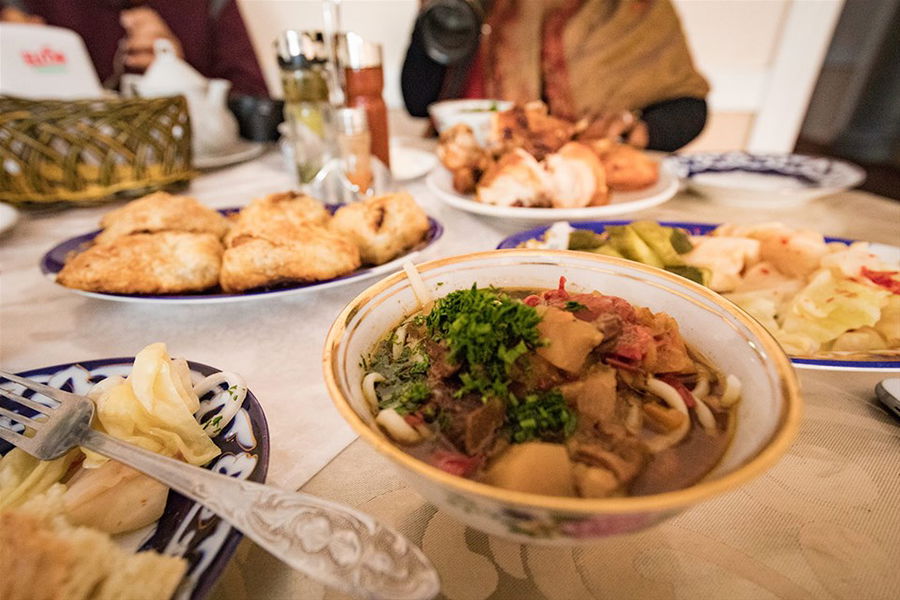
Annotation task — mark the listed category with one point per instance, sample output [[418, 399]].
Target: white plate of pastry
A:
[[174, 250], [440, 181]]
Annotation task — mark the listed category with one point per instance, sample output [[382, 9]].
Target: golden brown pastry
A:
[[627, 168], [575, 177], [161, 212], [167, 262], [277, 210], [43, 557], [286, 254], [382, 227]]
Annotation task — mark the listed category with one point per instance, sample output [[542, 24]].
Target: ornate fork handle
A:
[[333, 544]]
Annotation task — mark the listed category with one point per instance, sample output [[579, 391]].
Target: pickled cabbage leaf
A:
[[830, 305], [154, 409]]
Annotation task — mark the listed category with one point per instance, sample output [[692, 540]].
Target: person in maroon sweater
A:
[[119, 35]]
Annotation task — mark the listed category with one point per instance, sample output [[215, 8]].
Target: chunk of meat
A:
[[594, 395], [575, 177], [517, 179], [569, 340], [626, 167], [482, 425]]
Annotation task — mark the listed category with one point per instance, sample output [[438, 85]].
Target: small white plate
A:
[[240, 152], [9, 216], [765, 180], [410, 163], [440, 182]]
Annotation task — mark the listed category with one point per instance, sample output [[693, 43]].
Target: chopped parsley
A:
[[544, 416], [486, 331], [405, 388]]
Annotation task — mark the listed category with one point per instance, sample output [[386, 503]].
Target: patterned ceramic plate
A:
[[52, 263], [440, 182], [185, 529], [765, 180], [856, 362]]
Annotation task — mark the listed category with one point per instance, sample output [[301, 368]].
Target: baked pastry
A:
[[288, 253], [627, 168], [166, 262], [44, 557], [575, 177], [283, 209], [161, 211], [382, 227]]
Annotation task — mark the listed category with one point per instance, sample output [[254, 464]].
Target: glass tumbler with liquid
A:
[[307, 111]]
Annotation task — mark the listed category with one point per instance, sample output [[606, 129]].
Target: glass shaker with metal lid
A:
[[307, 112]]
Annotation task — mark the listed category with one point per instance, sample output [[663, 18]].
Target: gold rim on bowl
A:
[[777, 445]]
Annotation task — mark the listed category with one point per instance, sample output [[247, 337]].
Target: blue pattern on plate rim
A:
[[813, 171], [186, 528], [515, 240], [53, 261]]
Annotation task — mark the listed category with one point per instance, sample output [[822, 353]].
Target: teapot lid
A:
[[168, 73]]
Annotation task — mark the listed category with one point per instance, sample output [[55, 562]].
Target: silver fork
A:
[[331, 543]]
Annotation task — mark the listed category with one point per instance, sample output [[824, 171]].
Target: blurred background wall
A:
[[762, 57]]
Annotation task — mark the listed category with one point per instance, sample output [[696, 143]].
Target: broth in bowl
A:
[[551, 392]]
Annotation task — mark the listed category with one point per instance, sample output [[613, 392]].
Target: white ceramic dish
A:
[[440, 182], [241, 152], [475, 113], [410, 163], [765, 180], [9, 216], [767, 420], [859, 362], [52, 263]]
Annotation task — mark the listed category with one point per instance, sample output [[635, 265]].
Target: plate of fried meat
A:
[[540, 168], [174, 249]]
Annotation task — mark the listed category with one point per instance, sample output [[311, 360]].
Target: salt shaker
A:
[[353, 141]]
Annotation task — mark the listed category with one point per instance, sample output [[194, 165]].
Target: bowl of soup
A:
[[476, 113], [559, 397]]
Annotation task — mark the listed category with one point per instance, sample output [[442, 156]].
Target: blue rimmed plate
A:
[[53, 261], [765, 180], [857, 362], [185, 529]]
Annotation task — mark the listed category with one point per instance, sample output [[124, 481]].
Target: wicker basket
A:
[[90, 151]]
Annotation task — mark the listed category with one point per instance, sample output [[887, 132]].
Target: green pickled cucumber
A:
[[696, 274], [584, 239], [628, 243], [658, 238]]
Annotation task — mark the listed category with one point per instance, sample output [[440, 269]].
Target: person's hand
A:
[[9, 14], [620, 126], [143, 26]]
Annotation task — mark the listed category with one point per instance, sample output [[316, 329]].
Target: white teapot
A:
[[214, 127]]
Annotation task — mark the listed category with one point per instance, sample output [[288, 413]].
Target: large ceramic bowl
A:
[[768, 413]]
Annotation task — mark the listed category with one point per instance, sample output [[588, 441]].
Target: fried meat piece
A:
[[161, 211], [576, 177], [531, 128], [460, 152], [517, 179], [284, 209], [627, 168], [287, 254], [382, 227], [166, 262]]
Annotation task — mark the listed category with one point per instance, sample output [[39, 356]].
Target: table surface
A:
[[822, 524]]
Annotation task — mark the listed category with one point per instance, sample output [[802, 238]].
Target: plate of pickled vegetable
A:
[[832, 303]]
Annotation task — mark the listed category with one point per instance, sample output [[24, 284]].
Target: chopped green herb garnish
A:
[[544, 416], [486, 331], [574, 307]]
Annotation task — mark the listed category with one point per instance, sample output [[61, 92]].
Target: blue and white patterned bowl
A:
[[765, 180], [186, 528]]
